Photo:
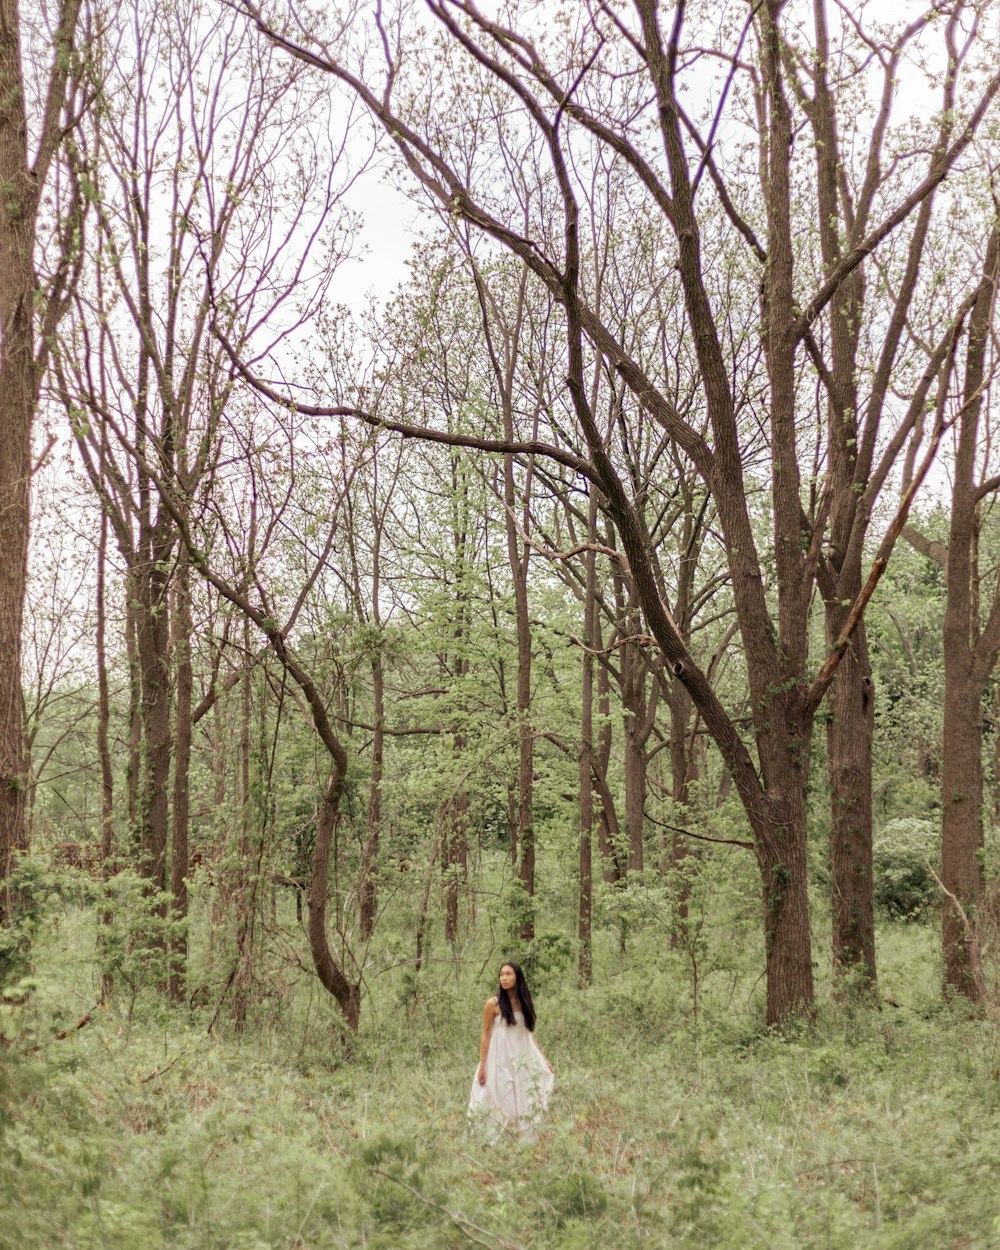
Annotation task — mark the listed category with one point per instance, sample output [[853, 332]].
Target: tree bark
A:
[[525, 732], [134, 772], [970, 655], [850, 728], [369, 894], [609, 837], [683, 771], [103, 724], [153, 630], [180, 849], [634, 698], [585, 905], [962, 825], [331, 976], [455, 820], [455, 814], [244, 890]]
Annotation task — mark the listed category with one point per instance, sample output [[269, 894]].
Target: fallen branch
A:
[[63, 1033], [466, 1226]]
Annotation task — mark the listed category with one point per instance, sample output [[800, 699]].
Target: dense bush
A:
[[903, 855]]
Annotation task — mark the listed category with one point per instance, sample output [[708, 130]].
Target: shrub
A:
[[902, 856]]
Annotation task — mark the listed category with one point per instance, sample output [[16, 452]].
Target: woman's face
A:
[[508, 977]]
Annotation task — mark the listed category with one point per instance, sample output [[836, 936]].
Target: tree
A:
[[971, 643], [184, 187], [561, 99], [33, 298]]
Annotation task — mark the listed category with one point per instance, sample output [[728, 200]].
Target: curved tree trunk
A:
[[331, 976]]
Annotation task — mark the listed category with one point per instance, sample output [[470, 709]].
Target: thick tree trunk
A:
[[331, 976], [962, 825], [153, 648], [782, 858], [16, 413], [970, 655], [18, 390], [850, 727]]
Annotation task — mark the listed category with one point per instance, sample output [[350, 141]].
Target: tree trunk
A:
[[332, 978], [244, 884], [585, 908], [134, 770], [153, 648], [609, 839], [179, 851], [850, 727], [369, 865], [635, 788], [970, 655], [18, 390], [455, 819], [682, 773], [16, 413], [996, 752], [962, 824], [782, 858], [103, 722], [525, 736], [455, 838]]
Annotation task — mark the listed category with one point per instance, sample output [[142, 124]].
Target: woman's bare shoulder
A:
[[491, 1007]]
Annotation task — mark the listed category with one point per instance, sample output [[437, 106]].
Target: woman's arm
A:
[[489, 1015]]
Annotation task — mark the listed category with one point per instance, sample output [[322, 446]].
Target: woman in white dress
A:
[[512, 1084]]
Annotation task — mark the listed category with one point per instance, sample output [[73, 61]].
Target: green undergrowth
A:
[[141, 1130]]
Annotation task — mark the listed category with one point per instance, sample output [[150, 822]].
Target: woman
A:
[[512, 1084]]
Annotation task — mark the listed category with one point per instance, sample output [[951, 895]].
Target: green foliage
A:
[[903, 853], [875, 1129], [31, 883]]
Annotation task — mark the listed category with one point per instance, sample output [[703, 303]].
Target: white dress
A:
[[518, 1082]]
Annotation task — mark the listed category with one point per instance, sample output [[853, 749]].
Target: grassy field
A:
[[875, 1129]]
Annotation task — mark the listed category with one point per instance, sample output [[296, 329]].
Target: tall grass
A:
[[873, 1129]]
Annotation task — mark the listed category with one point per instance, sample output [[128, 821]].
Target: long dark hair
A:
[[523, 995]]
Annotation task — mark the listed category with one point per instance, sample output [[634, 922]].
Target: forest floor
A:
[[875, 1129]]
